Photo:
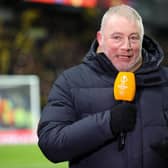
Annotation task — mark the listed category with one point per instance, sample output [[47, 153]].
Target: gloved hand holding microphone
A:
[[123, 115]]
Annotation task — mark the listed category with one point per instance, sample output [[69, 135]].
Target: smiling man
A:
[[83, 123], [120, 38]]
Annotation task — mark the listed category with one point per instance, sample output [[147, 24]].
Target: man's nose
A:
[[126, 44]]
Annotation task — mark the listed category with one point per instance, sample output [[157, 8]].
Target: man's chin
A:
[[123, 68]]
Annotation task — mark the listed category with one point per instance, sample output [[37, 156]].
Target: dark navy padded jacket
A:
[[75, 123]]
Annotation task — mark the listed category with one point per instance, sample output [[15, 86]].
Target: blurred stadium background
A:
[[44, 37]]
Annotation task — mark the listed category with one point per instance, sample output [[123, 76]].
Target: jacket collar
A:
[[148, 74]]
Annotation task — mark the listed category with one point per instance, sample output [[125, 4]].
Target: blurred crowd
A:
[[37, 42]]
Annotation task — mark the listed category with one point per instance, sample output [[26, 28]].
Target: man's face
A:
[[121, 42]]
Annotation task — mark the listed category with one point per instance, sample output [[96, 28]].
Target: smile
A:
[[124, 57]]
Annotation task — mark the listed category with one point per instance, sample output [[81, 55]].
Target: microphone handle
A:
[[121, 142], [122, 138]]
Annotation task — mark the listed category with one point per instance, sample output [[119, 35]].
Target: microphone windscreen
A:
[[125, 86]]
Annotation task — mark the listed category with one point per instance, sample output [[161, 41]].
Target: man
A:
[[82, 122]]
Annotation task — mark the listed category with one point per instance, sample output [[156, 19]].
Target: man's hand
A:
[[123, 117]]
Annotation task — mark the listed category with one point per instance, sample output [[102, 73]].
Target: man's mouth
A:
[[124, 57]]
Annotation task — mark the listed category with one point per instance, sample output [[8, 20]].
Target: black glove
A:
[[161, 147], [123, 118]]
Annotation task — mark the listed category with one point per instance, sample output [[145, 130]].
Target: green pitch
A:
[[25, 156]]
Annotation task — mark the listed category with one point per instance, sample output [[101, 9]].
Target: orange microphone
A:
[[124, 90], [125, 86]]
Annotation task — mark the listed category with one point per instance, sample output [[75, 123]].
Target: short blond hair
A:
[[125, 11]]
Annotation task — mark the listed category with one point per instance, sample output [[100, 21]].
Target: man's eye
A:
[[117, 37], [134, 38]]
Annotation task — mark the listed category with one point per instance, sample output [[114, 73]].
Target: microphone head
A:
[[125, 86]]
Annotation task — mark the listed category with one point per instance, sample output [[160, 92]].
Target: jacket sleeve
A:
[[64, 138]]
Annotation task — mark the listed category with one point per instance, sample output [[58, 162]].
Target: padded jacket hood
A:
[[152, 57]]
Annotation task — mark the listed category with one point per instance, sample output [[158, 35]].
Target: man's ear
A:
[[99, 38]]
